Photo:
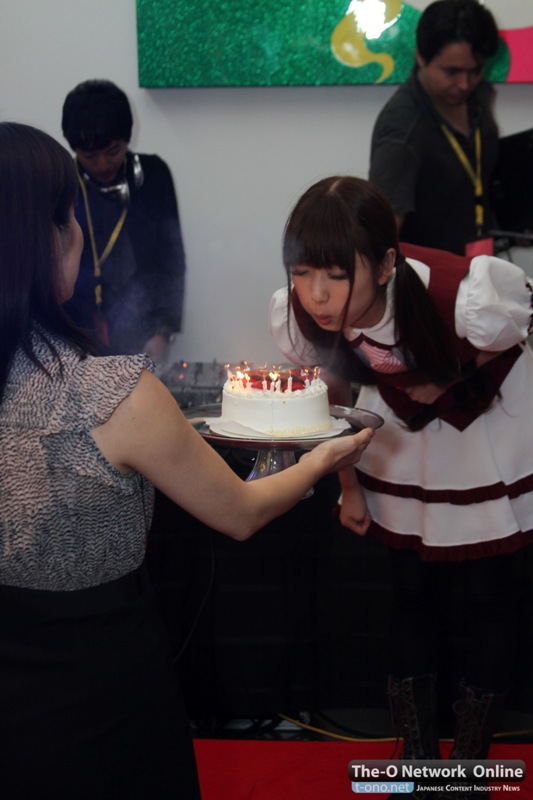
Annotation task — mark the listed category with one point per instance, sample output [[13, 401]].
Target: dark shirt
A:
[[143, 277], [413, 163]]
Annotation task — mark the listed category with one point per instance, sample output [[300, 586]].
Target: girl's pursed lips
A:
[[322, 320]]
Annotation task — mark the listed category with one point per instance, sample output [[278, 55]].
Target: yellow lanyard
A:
[[475, 176], [99, 260]]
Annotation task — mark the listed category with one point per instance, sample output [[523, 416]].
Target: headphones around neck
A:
[[121, 189]]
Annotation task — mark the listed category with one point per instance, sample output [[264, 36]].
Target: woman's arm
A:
[[353, 513], [148, 433]]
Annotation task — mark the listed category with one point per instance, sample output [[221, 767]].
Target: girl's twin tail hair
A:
[[420, 330]]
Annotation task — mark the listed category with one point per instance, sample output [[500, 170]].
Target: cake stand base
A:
[[271, 461]]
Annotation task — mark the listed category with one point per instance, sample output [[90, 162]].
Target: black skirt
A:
[[90, 707]]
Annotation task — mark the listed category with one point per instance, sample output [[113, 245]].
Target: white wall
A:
[[239, 157]]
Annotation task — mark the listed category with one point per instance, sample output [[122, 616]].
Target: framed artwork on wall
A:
[[193, 43]]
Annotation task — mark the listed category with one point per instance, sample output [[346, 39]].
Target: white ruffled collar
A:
[[382, 331]]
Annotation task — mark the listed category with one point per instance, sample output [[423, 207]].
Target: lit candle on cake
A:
[[275, 400]]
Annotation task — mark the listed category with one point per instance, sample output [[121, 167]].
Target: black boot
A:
[[413, 708], [478, 713]]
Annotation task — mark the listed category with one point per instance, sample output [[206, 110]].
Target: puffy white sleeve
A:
[[494, 304], [292, 343]]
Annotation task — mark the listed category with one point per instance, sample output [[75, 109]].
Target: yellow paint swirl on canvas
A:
[[365, 19]]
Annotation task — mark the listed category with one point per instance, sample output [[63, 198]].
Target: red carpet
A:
[[273, 770]]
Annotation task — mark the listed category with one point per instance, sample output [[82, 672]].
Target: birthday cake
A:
[[289, 403]]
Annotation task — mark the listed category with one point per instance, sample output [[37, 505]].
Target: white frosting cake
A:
[[289, 403]]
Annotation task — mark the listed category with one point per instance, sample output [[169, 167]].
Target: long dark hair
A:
[[334, 220], [38, 186]]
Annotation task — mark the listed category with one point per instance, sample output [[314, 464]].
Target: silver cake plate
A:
[[276, 454]]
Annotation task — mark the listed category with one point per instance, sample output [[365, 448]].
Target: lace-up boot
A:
[[413, 709], [478, 713]]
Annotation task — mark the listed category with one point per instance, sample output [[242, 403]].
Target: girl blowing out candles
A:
[[439, 348]]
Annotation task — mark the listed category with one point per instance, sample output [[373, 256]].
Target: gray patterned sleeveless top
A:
[[68, 518]]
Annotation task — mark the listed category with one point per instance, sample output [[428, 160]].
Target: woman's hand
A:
[[341, 452], [426, 393], [157, 348], [354, 513]]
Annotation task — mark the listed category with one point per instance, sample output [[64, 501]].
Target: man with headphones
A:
[[129, 293]]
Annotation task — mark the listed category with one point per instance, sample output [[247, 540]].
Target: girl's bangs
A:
[[320, 240]]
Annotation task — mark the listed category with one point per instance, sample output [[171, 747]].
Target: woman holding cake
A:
[[88, 692], [438, 344]]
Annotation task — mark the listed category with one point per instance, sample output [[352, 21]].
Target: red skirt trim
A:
[[457, 497], [461, 552]]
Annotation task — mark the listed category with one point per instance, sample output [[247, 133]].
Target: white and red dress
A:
[[462, 486]]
